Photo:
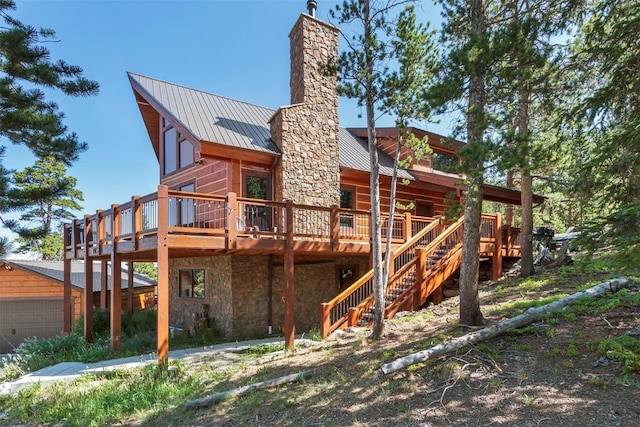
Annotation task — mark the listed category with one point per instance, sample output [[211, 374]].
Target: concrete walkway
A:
[[69, 371]]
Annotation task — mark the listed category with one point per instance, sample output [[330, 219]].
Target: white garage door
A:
[[29, 317]]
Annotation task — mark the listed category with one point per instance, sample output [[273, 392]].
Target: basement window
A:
[[191, 283], [346, 275]]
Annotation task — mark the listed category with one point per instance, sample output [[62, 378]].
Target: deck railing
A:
[[224, 216]]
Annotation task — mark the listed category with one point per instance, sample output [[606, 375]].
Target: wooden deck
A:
[[169, 224], [200, 224]]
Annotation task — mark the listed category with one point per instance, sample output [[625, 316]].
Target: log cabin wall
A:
[[414, 192], [142, 298]]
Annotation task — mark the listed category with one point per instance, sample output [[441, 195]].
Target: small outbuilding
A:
[[31, 297]]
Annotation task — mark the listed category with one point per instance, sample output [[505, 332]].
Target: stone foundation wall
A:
[[218, 293], [314, 283]]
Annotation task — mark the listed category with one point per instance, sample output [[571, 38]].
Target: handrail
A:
[[336, 312], [405, 270]]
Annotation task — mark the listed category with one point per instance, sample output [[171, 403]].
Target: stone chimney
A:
[[307, 131]]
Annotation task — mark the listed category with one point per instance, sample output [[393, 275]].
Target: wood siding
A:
[[414, 192], [16, 283]]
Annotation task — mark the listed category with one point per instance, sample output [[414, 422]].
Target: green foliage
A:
[[620, 229], [152, 389], [46, 197], [624, 348], [26, 117], [149, 269]]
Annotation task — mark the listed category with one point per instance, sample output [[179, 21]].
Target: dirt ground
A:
[[550, 375]]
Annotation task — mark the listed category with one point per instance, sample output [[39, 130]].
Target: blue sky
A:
[[238, 49]]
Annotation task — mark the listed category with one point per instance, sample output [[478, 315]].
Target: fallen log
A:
[[241, 391], [529, 316]]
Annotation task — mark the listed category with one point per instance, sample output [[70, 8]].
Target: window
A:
[[424, 209], [346, 202], [182, 211], [191, 283], [346, 275], [178, 151], [258, 186]]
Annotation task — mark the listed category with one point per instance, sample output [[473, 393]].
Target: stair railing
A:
[[401, 296], [335, 313]]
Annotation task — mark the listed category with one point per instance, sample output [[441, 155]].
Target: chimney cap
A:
[[312, 5]]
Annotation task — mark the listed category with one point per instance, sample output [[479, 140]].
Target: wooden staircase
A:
[[418, 269]]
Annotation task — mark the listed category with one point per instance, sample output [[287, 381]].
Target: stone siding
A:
[[218, 293], [314, 283], [307, 132]]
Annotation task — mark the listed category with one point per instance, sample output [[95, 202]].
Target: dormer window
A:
[[178, 151]]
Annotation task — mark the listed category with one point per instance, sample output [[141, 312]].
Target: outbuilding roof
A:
[[226, 121], [55, 270]]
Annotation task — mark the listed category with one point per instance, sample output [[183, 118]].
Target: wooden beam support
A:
[[163, 275], [130, 288], [496, 262], [87, 303], [289, 295], [68, 312], [116, 301], [104, 279]]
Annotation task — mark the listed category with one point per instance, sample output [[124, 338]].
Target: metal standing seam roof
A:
[[55, 271], [239, 124]]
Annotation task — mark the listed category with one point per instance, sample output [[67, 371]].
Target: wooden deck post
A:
[[353, 316], [408, 229], [68, 313], [232, 220], [163, 275], [104, 279], [335, 227], [289, 295], [136, 220], [130, 287], [421, 277], [87, 303], [116, 301], [325, 320], [100, 230], [496, 262]]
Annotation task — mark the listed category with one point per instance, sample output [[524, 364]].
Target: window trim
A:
[[165, 125], [204, 279]]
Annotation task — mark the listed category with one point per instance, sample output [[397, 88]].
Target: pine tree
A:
[[26, 117], [365, 75], [47, 197]]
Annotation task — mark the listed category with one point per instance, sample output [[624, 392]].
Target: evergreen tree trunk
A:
[[526, 187], [376, 231], [470, 313]]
